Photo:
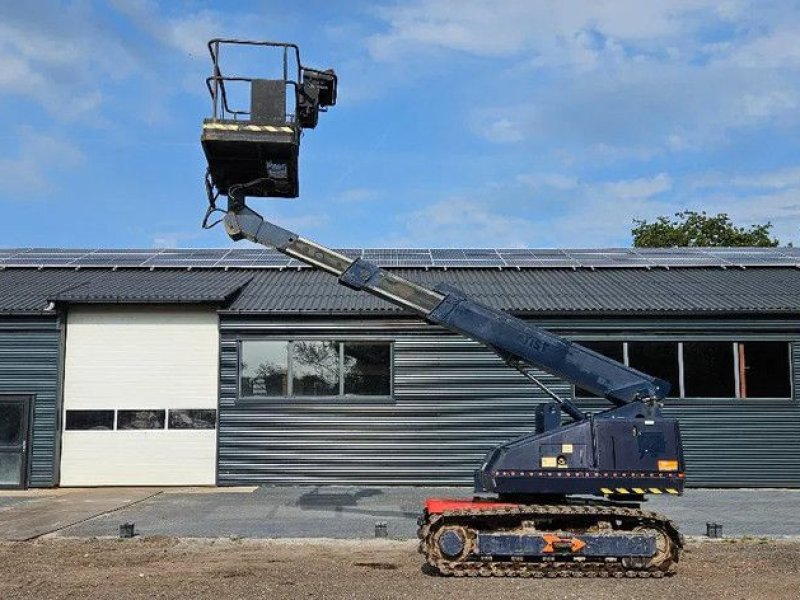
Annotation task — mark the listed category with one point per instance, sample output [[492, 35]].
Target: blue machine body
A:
[[626, 451]]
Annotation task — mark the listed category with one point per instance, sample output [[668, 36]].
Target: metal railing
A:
[[216, 83]]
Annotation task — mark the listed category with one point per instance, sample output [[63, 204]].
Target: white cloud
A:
[[783, 178], [554, 33], [781, 208], [304, 224], [573, 207], [359, 194], [191, 33], [557, 181], [760, 105], [541, 210], [626, 79], [67, 58], [770, 195], [576, 213], [501, 131], [58, 56], [460, 221], [641, 188], [38, 160], [624, 189], [775, 49], [188, 33]]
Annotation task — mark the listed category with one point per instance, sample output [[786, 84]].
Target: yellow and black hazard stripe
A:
[[244, 127], [621, 491]]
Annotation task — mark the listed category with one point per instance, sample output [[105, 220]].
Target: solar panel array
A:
[[408, 257]]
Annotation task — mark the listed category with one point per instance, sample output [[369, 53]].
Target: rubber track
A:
[[429, 524]]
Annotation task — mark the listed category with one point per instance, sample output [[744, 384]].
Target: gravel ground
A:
[[211, 569]]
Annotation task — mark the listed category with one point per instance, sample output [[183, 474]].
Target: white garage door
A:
[[140, 396]]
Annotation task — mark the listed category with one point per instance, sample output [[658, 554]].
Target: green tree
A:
[[690, 228]]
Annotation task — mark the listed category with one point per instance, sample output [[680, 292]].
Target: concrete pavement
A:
[[336, 512], [26, 517]]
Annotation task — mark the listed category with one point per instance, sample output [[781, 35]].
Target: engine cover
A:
[[626, 451]]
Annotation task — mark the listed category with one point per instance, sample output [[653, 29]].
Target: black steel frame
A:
[[216, 82]]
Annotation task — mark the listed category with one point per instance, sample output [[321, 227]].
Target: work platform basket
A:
[[252, 139]]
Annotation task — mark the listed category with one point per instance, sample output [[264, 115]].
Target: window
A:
[[708, 370], [315, 368], [193, 419], [140, 419], [84, 420], [764, 370], [12, 418], [264, 368], [613, 350], [659, 359], [366, 369]]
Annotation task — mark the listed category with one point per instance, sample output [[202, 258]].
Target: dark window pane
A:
[[315, 368], [708, 370], [90, 419], [193, 419], [606, 348], [140, 419], [10, 423], [766, 370], [366, 369], [659, 359], [264, 368]]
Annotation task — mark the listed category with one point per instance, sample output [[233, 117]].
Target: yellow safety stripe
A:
[[235, 127], [636, 490]]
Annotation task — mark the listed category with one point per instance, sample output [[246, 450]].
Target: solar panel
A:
[[446, 253], [249, 257], [515, 252], [480, 253], [34, 261]]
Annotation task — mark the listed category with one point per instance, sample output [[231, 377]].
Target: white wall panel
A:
[[146, 357], [178, 457]]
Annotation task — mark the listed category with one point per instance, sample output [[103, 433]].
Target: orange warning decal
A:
[[551, 539]]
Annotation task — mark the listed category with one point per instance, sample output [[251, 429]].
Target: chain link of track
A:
[[476, 567]]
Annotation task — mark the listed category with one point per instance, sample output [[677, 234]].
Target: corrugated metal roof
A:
[[31, 290], [28, 290], [691, 291], [773, 290], [137, 286]]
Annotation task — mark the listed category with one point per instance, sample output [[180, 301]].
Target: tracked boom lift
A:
[[563, 500]]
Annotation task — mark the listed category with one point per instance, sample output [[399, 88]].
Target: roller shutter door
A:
[[141, 363]]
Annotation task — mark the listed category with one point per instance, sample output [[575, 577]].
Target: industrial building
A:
[[241, 366]]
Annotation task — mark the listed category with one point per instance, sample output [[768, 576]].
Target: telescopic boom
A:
[[518, 342]]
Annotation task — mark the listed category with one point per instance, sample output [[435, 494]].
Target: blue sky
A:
[[459, 123]]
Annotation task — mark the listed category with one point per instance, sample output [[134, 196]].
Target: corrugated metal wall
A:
[[454, 400], [29, 365]]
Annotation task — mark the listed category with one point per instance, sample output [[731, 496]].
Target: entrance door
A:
[[13, 441]]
